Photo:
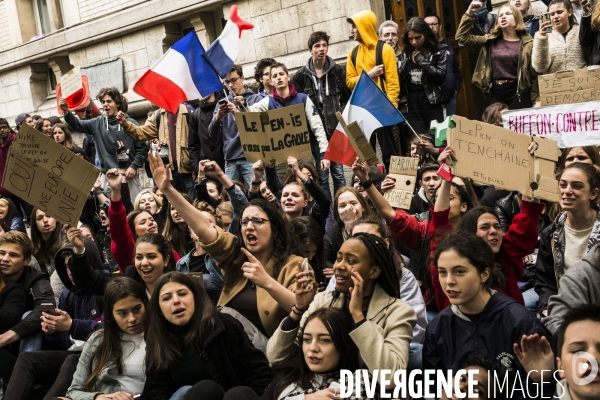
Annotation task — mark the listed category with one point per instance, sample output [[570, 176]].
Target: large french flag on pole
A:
[[371, 109], [224, 51], [180, 74]]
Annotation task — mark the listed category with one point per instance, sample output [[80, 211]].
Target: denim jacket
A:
[[213, 281], [104, 384]]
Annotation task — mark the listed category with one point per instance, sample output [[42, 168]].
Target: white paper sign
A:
[[571, 125], [71, 82]]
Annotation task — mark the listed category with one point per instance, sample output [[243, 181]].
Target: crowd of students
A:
[[238, 280]]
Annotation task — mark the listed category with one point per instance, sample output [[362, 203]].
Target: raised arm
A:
[[148, 131], [201, 226], [463, 35], [381, 205]]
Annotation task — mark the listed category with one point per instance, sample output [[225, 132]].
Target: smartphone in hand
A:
[[48, 308]]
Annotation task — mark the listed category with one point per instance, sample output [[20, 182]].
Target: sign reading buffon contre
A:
[[48, 175], [272, 136]]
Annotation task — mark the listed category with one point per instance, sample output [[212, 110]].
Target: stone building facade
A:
[[42, 39]]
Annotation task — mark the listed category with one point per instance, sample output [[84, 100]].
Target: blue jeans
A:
[[415, 357], [239, 170], [184, 183], [337, 174], [32, 342], [180, 393], [531, 298], [451, 106]]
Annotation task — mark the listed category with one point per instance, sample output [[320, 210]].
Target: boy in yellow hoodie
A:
[[364, 31]]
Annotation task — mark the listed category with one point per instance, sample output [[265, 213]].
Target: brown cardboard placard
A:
[[492, 155], [48, 175], [404, 170], [567, 87], [358, 140], [70, 82], [273, 136]]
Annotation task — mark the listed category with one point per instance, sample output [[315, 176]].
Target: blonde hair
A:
[[596, 17], [519, 23], [158, 200]]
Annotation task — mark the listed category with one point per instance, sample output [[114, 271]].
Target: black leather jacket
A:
[[434, 75]]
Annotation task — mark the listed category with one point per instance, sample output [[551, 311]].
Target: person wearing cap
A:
[[24, 118]]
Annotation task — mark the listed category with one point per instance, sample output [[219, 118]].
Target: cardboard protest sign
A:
[[571, 125], [492, 155], [48, 175], [404, 170], [71, 82], [358, 140], [568, 87], [274, 135]]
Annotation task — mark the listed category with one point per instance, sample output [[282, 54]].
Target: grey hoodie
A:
[[106, 131], [580, 285]]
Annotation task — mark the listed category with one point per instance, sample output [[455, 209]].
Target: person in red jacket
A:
[[125, 229], [519, 241], [408, 230]]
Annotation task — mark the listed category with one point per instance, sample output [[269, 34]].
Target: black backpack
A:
[[378, 56]]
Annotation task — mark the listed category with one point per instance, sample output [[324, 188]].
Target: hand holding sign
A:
[[75, 237], [360, 170], [63, 106]]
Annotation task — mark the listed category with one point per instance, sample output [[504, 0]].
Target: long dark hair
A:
[[109, 350], [68, 143], [339, 324], [12, 212], [163, 246], [591, 151], [44, 252], [385, 234], [306, 230], [382, 257], [131, 220], [280, 242], [163, 346], [479, 253], [363, 203], [420, 26], [178, 236]]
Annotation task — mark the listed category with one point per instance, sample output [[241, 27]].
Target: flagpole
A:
[[232, 94], [413, 131]]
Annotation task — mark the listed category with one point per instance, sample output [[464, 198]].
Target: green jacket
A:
[[482, 75]]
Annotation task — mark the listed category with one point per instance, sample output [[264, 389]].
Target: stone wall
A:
[[140, 31], [5, 36], [97, 8]]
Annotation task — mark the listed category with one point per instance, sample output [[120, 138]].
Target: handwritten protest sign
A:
[[570, 125], [71, 82], [273, 136], [568, 87], [358, 140], [492, 155], [404, 171], [48, 175]]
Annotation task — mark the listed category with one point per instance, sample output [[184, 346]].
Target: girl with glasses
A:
[[257, 263]]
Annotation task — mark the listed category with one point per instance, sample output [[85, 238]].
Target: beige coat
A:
[[552, 53], [224, 250], [150, 131], [383, 340]]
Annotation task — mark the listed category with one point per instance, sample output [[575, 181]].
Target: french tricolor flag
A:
[[180, 74], [224, 51], [371, 109]]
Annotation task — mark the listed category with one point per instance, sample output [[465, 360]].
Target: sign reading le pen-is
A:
[[274, 135], [48, 175]]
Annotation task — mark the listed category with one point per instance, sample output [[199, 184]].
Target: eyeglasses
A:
[[232, 80], [256, 221]]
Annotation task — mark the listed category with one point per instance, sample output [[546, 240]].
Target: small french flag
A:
[[221, 55], [371, 109], [180, 74]]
